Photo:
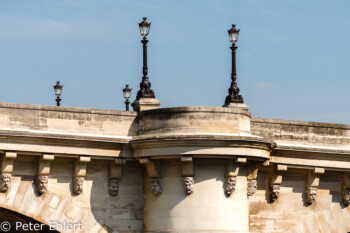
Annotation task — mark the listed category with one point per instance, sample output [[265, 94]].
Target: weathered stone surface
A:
[[126, 202]]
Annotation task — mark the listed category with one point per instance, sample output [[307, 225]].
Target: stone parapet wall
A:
[[302, 132], [196, 120], [66, 120]]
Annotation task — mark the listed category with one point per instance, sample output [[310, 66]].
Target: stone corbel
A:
[[79, 174], [312, 182], [115, 173], [252, 184], [346, 189], [42, 177], [276, 176], [6, 171], [187, 174], [231, 174], [153, 173]]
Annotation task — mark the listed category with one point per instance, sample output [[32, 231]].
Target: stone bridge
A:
[[183, 169]]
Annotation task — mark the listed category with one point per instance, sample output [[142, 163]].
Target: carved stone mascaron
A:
[[188, 183], [230, 184], [156, 185], [252, 186], [5, 184], [311, 193], [41, 183], [113, 186], [274, 192], [346, 196], [78, 183]]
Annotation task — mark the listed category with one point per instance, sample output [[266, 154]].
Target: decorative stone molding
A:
[[78, 184], [240, 160], [311, 193], [156, 185], [230, 184], [346, 196], [79, 174], [346, 189], [312, 182], [6, 170], [188, 183], [231, 174], [115, 174], [154, 174], [276, 175], [113, 186], [187, 174], [252, 184], [274, 192], [42, 183], [252, 187], [43, 172], [5, 182]]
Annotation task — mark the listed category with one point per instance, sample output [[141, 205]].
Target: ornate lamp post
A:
[[127, 94], [58, 91], [145, 86], [233, 96]]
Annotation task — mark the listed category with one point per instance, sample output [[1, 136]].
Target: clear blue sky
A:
[[293, 55]]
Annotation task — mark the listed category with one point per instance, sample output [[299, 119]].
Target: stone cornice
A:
[[201, 145], [299, 123], [66, 109], [190, 109]]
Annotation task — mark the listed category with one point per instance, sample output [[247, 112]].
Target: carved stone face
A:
[[41, 183], [113, 186], [230, 185], [252, 186], [274, 192], [78, 185], [156, 186], [311, 194], [188, 182], [5, 183], [346, 196]]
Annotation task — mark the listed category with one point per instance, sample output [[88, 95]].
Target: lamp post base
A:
[[237, 105], [145, 104]]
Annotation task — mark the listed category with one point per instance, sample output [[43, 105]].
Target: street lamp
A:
[[233, 96], [127, 94], [58, 91], [145, 86]]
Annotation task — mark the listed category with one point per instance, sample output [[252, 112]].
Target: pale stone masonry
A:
[[182, 169]]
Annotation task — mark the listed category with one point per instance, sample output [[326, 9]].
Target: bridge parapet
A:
[[172, 169]]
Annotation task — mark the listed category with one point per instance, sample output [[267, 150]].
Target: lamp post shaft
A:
[[58, 101], [233, 91], [127, 102], [145, 67], [145, 85], [234, 74]]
